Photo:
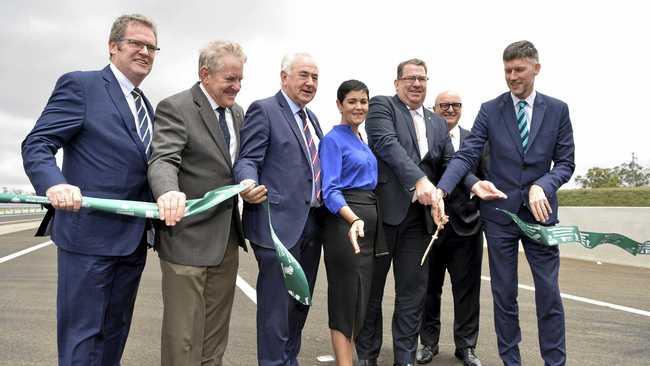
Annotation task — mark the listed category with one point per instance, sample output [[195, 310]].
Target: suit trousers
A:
[[280, 318], [197, 305], [544, 261], [95, 301], [406, 243], [461, 256]]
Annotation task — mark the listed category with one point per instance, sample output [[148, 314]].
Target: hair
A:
[[211, 55], [348, 86], [122, 22], [290, 59], [520, 49], [413, 61]]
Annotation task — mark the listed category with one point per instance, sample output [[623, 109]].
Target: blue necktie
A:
[[144, 132], [224, 126], [522, 122]]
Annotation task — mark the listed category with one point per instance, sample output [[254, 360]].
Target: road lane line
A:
[[20, 221], [247, 289], [25, 251], [626, 309]]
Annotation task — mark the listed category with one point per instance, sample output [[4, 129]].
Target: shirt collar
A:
[[419, 111], [126, 84], [455, 131], [213, 104], [530, 100], [294, 107]]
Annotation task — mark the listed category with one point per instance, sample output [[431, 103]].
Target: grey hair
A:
[[290, 59], [520, 49], [212, 54], [122, 22]]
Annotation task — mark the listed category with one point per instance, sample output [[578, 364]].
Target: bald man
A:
[[459, 251]]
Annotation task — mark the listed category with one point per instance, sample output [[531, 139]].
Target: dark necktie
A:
[[224, 126], [313, 153], [522, 122], [144, 132]]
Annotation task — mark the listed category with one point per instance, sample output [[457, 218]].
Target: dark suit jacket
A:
[[189, 154], [463, 212], [273, 153], [391, 136], [549, 161], [88, 116]]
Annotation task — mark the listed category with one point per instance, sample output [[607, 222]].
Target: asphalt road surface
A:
[[607, 313]]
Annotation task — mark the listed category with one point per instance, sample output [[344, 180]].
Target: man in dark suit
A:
[[412, 147], [102, 120], [458, 250], [278, 155], [531, 156], [195, 142]]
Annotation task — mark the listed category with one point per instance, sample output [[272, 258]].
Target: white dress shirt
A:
[[420, 130], [529, 107], [232, 149], [127, 87], [454, 134]]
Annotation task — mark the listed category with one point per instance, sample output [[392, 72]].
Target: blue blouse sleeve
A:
[[331, 162]]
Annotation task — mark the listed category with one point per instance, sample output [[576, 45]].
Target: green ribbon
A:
[[134, 208], [294, 277], [555, 235]]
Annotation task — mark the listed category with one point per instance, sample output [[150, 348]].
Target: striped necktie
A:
[[313, 153], [522, 122], [224, 126], [144, 132]]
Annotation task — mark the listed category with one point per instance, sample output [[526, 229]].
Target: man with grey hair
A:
[[102, 120], [195, 143], [531, 156], [279, 156]]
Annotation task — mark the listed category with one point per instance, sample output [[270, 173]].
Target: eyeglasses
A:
[[445, 106], [413, 78], [140, 45]]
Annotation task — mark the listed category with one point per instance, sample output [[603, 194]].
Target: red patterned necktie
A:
[[313, 153]]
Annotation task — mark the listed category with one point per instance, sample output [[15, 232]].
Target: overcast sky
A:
[[592, 55]]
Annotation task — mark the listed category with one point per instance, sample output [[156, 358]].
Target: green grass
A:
[[613, 197]]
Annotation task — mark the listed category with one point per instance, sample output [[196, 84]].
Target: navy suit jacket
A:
[[548, 162], [391, 136], [273, 153], [87, 115]]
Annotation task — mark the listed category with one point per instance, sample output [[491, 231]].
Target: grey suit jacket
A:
[[189, 154]]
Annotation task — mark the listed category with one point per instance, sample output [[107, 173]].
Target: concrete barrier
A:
[[633, 222]]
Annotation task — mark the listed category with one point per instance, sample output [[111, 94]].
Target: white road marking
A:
[[25, 251], [588, 301], [247, 289]]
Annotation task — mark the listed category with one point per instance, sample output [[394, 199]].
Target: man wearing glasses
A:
[[458, 250], [412, 147], [102, 120]]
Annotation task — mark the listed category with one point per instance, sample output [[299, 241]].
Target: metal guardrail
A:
[[15, 209]]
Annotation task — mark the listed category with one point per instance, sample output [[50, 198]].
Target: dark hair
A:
[[413, 61], [348, 86], [521, 49]]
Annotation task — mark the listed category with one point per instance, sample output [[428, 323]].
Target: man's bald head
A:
[[449, 106]]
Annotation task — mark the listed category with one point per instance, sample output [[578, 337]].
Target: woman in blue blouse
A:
[[349, 176]]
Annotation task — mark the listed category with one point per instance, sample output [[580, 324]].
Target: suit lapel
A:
[[289, 118], [237, 119], [508, 118], [119, 100], [463, 134], [428, 115], [538, 116], [210, 120], [410, 124]]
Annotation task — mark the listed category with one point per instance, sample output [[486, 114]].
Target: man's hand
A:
[[438, 209], [254, 193], [538, 203], [64, 197], [425, 191], [356, 231], [485, 190], [171, 206]]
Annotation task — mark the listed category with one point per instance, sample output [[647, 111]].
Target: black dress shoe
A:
[[426, 353], [468, 356], [372, 362]]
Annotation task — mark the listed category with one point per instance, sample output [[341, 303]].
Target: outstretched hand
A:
[[486, 190]]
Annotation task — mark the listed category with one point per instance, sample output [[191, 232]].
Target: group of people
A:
[[366, 203]]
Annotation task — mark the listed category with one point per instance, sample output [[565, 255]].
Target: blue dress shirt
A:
[[346, 163]]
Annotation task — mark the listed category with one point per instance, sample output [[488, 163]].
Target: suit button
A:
[[524, 167], [309, 180], [306, 202]]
